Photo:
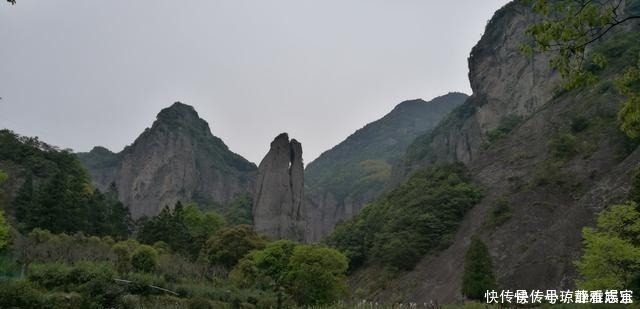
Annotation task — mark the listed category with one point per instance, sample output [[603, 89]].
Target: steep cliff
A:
[[354, 172], [278, 210], [177, 159], [548, 161]]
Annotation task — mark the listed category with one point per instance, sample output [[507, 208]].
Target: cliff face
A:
[[177, 159], [504, 82], [554, 176], [354, 172], [278, 209]]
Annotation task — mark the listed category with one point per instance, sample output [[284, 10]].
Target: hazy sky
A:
[[90, 72]]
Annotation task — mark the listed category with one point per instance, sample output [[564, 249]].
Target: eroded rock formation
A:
[[278, 210], [177, 159]]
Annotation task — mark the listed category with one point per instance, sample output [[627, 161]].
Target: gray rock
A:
[[177, 159], [278, 209]]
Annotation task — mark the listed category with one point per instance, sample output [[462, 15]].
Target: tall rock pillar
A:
[[278, 209]]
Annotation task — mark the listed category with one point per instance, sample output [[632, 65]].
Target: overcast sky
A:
[[96, 72]]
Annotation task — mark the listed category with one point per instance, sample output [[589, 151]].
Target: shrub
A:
[[579, 124], [144, 259], [564, 146], [505, 126], [500, 212], [317, 275], [227, 246], [478, 271], [20, 294], [54, 275]]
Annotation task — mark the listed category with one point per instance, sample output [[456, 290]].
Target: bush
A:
[[20, 294], [579, 124], [317, 275], [500, 213], [54, 275], [478, 271], [505, 126], [564, 146], [144, 259], [227, 246]]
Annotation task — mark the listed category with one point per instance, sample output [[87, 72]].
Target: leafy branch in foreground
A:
[[568, 27]]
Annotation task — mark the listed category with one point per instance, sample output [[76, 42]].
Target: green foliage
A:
[[611, 258], [579, 124], [144, 259], [183, 229], [56, 194], [629, 115], [500, 212], [312, 274], [230, 244], [415, 218], [361, 164], [5, 235], [568, 27], [79, 272], [505, 126], [3, 178], [421, 146], [21, 294], [564, 146], [634, 192], [317, 275], [240, 210], [478, 271]]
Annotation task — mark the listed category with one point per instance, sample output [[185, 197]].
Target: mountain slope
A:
[[549, 162], [177, 159], [353, 172]]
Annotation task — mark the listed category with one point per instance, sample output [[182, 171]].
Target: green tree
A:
[[478, 271], [264, 268], [167, 226], [568, 27], [144, 259], [230, 244], [200, 225], [611, 258], [184, 229], [240, 210], [411, 220], [317, 275]]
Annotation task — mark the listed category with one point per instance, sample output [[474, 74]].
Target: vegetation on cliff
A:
[[414, 219]]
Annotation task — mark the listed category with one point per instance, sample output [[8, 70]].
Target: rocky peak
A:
[[181, 116], [278, 198], [177, 159]]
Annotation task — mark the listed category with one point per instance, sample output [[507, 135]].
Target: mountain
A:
[[548, 161], [177, 159], [341, 180]]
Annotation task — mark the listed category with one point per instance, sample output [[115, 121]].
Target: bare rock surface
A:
[[278, 209]]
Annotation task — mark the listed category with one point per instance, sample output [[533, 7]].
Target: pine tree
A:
[[478, 270]]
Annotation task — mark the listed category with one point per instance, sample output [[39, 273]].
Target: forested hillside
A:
[[64, 244], [354, 172]]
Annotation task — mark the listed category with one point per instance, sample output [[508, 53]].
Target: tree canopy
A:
[[569, 27], [611, 258]]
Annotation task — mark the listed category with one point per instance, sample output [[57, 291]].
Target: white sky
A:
[[85, 73]]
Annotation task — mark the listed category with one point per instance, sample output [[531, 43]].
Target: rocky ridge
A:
[[177, 159]]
